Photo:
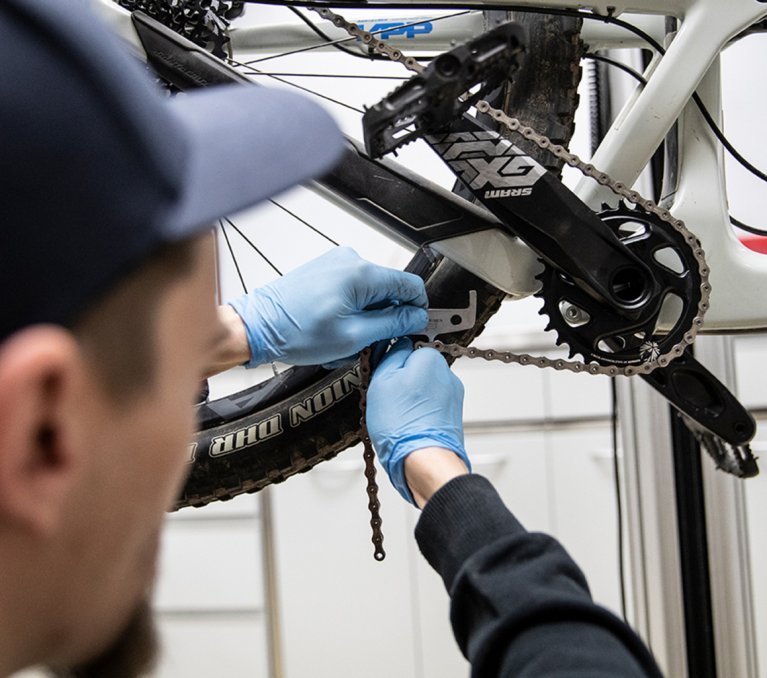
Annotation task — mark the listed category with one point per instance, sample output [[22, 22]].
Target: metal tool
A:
[[447, 320]]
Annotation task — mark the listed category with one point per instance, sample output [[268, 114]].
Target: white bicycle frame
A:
[[691, 63]]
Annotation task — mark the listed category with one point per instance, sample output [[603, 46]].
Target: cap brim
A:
[[246, 144]]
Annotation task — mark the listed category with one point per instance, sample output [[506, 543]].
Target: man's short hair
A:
[[118, 332]]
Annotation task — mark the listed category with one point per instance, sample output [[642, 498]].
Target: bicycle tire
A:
[[309, 415]]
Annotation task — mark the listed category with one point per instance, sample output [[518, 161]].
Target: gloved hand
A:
[[330, 308], [414, 401]]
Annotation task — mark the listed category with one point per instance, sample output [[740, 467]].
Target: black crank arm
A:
[[531, 202], [693, 390], [535, 205]]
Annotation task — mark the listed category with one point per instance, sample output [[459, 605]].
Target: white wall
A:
[[744, 102]]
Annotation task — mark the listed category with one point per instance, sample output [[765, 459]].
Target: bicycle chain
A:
[[458, 351], [369, 39], [587, 169], [374, 505]]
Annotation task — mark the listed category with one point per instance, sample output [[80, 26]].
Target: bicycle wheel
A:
[[305, 415]]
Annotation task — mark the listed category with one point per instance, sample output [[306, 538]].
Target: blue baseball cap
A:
[[99, 168]]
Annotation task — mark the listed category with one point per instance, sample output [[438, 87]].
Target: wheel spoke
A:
[[256, 249], [253, 71], [250, 70], [304, 222], [231, 253]]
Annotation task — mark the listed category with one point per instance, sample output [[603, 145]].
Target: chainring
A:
[[597, 332]]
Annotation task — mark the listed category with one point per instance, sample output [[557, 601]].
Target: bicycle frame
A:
[[691, 63]]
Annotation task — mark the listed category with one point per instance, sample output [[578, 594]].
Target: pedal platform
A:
[[446, 88]]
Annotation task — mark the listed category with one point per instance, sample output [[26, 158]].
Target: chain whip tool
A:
[[587, 169], [458, 351]]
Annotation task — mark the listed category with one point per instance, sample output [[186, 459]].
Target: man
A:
[[108, 321], [108, 324]]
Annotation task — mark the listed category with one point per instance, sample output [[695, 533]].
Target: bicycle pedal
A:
[[445, 89], [449, 320]]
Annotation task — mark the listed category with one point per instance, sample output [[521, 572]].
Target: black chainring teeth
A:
[[592, 330]]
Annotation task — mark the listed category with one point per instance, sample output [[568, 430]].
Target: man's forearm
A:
[[429, 469], [520, 605], [233, 349]]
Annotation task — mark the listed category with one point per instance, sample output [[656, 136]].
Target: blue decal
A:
[[398, 28]]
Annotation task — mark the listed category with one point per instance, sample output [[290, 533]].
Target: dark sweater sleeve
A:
[[520, 606]]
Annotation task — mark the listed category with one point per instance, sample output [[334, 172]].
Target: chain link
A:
[[368, 39], [374, 505], [587, 169]]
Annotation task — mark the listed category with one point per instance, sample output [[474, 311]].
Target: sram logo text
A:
[[509, 193]]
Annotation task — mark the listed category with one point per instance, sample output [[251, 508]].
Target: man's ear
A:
[[40, 370]]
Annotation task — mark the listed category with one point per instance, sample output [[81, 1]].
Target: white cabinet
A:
[[516, 465], [751, 370], [342, 613], [209, 596], [560, 481], [584, 507], [203, 646], [498, 392], [210, 565]]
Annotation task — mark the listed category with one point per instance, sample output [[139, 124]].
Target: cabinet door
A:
[[584, 514], [213, 645], [500, 393], [342, 613], [209, 596], [210, 566]]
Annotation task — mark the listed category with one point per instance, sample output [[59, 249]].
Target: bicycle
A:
[[305, 415]]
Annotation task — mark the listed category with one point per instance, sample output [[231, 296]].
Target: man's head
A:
[[92, 452], [98, 170], [108, 319]]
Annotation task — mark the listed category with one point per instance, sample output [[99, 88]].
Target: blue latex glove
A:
[[414, 401], [329, 309]]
